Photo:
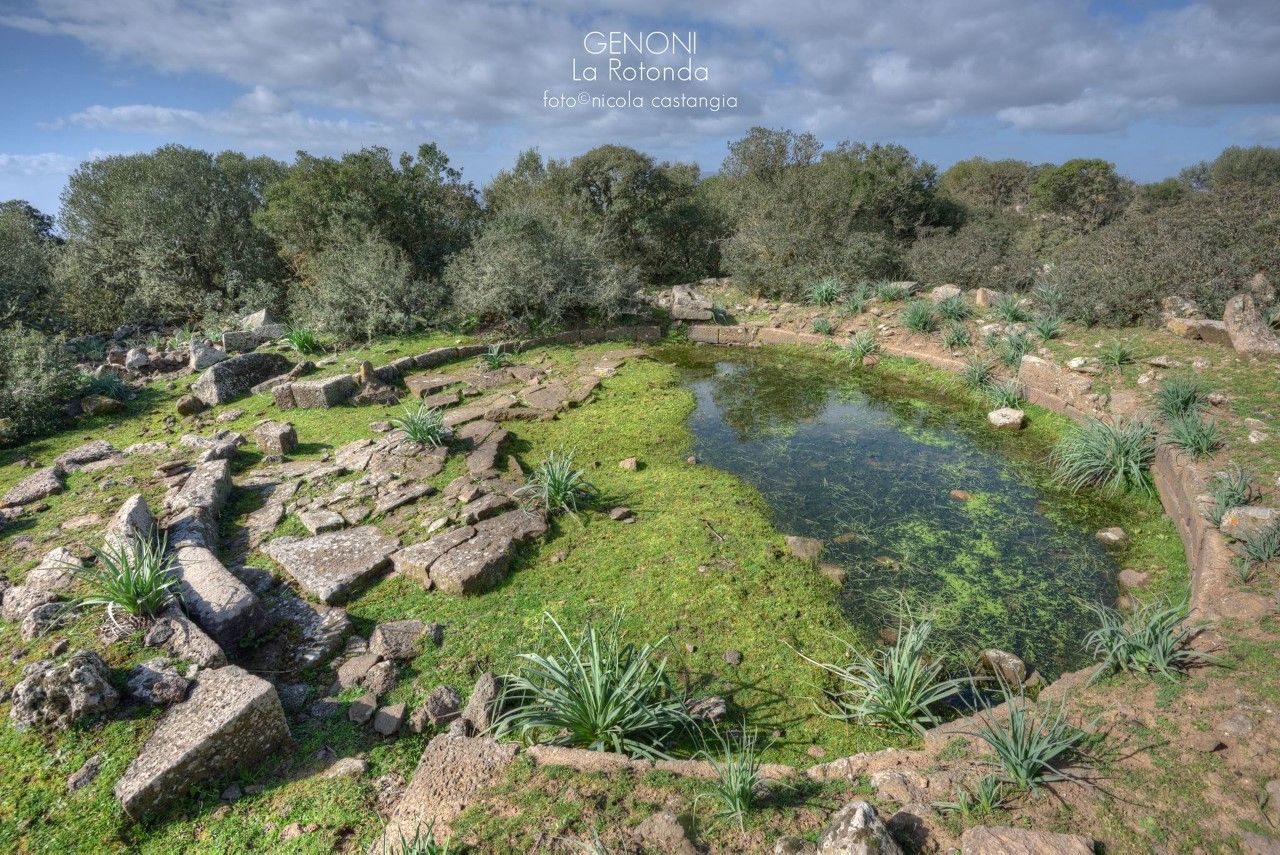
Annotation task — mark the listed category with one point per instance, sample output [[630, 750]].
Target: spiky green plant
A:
[[1116, 353], [1179, 396], [303, 339], [1233, 487], [855, 302], [1051, 299], [599, 692], [422, 424], [1008, 308], [423, 842], [133, 576], [106, 384], [896, 688], [862, 344], [1012, 346], [955, 308], [955, 336], [737, 783], [987, 797], [822, 326], [1153, 640], [494, 358], [824, 292], [891, 292], [1031, 742], [921, 316], [1242, 569], [1115, 457], [1004, 394], [556, 485], [1263, 544], [1194, 434], [977, 372], [1047, 326]]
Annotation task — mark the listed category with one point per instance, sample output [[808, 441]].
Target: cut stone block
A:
[[331, 566], [133, 523], [219, 602], [234, 377], [323, 393], [207, 487]]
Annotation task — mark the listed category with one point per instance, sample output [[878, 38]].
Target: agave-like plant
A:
[[982, 801], [303, 339], [955, 335], [135, 576], [736, 762], [1153, 640], [557, 485], [1031, 742], [599, 692], [825, 291], [1116, 457], [1180, 396], [862, 344], [1009, 309], [422, 424], [421, 842], [494, 357], [955, 308], [1004, 393], [1116, 353], [920, 316], [1047, 326], [978, 372], [1194, 434], [1233, 487]]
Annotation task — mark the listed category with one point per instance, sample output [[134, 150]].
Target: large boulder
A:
[[688, 305], [331, 566], [856, 830], [178, 635], [988, 840], [206, 488], [90, 452], [234, 377], [36, 486], [274, 437], [232, 720], [53, 697], [205, 355], [1250, 333]]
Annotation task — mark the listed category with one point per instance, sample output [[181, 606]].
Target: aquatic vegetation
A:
[[1231, 488], [1115, 457], [1047, 326], [955, 308], [1153, 640], [1032, 741], [920, 315], [895, 688], [737, 784], [1008, 308], [1194, 434], [955, 335], [599, 692], [862, 344], [1117, 353], [556, 485], [136, 577], [422, 424], [824, 292], [1180, 395]]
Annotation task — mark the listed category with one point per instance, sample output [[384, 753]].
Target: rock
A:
[[790, 845], [221, 604], [710, 708], [630, 464], [222, 445], [321, 520], [90, 452], [1007, 418], [207, 488], [988, 840], [396, 639], [450, 774], [1003, 665], [1248, 330], [985, 298], [231, 721], [204, 355], [478, 715], [804, 548], [43, 619], [183, 640], [157, 682], [293, 696], [189, 405], [662, 832], [53, 697], [274, 437], [323, 393], [56, 572], [1113, 537], [381, 678], [621, 514], [100, 405], [352, 672], [1246, 521], [263, 319], [689, 305], [733, 657], [132, 523], [1130, 580], [136, 359], [960, 495], [443, 705], [85, 775], [36, 486], [388, 719], [856, 830], [21, 600], [470, 559], [231, 378], [306, 634], [331, 566], [242, 341], [944, 292]]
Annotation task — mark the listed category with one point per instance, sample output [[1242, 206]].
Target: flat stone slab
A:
[[232, 720], [331, 566], [234, 377], [90, 452], [207, 487], [36, 486], [470, 559], [221, 604], [320, 520], [423, 385], [991, 840], [312, 633]]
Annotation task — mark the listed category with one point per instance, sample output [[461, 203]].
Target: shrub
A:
[[422, 424], [1051, 299], [985, 252], [897, 688], [862, 344], [528, 269], [1153, 640], [822, 326], [1195, 435], [1230, 489], [1090, 193], [1031, 742], [105, 384], [597, 693], [28, 254], [1004, 393], [977, 372], [136, 577], [37, 376], [920, 315], [737, 783], [825, 291], [1046, 326], [955, 336], [955, 308], [1115, 457], [556, 485], [1008, 308], [303, 339], [1117, 353]]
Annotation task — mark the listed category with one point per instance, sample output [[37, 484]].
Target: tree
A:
[[1257, 166], [1088, 192], [981, 183], [28, 254]]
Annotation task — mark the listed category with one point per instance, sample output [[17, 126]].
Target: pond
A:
[[868, 462]]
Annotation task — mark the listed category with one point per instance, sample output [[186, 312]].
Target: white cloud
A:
[[48, 163]]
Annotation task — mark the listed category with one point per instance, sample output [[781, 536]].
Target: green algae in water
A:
[[868, 465]]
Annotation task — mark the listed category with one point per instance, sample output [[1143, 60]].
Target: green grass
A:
[[303, 340]]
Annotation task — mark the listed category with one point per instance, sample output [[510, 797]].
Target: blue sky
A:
[[1152, 86]]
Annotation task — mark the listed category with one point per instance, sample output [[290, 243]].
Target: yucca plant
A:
[[1012, 346], [1009, 309], [955, 308], [921, 316], [1115, 457], [896, 688], [1051, 299], [422, 842], [556, 485], [955, 335], [822, 326], [1179, 396], [824, 292], [1032, 741], [599, 692], [1263, 545], [136, 577], [1153, 640], [422, 424], [737, 783], [982, 801], [889, 292], [1047, 326], [1231, 488], [977, 372], [1004, 394], [862, 344], [494, 358], [1117, 353], [1195, 435], [303, 339]]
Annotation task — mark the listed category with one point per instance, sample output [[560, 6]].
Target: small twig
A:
[[717, 535]]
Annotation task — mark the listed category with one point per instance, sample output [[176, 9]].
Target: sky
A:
[[1151, 86]]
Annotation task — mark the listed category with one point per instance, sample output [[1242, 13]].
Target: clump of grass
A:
[[422, 424], [1242, 569], [1007, 308], [598, 692], [896, 688], [1032, 742], [977, 372], [955, 336], [824, 292], [556, 485], [494, 358], [855, 302], [1115, 457], [982, 801], [822, 326], [890, 292], [1231, 488], [920, 315], [862, 344], [1153, 640], [136, 577], [106, 384], [737, 768], [303, 339], [1263, 545], [955, 308], [1004, 394], [1051, 299], [1180, 396], [1195, 435], [423, 842], [1047, 326], [1117, 353], [1012, 346]]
